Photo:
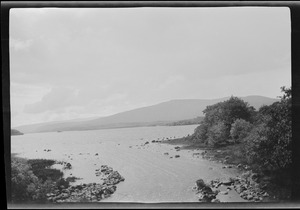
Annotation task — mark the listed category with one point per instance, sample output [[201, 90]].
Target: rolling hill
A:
[[159, 114]]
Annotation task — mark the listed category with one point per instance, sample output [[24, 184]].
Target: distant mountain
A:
[[159, 114], [14, 132], [196, 120]]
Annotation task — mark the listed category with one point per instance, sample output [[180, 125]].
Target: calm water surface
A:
[[150, 175]]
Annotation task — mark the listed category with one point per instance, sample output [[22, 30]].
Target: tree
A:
[[271, 145], [240, 130], [217, 134], [219, 117]]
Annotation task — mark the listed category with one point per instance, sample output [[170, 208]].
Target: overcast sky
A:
[[77, 63]]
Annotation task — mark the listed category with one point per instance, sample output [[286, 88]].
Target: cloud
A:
[[56, 99], [171, 80], [19, 45]]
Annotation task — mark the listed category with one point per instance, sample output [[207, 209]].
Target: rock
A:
[[239, 188], [254, 176], [246, 167], [223, 192], [215, 200], [265, 194], [227, 157], [239, 166], [147, 142], [176, 147], [216, 191], [200, 184], [65, 195], [177, 156], [227, 182], [229, 166], [96, 154], [249, 197], [166, 153], [229, 188]]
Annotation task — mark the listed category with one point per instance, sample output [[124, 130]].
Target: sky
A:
[[69, 63]]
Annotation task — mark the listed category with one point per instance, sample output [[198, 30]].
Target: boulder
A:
[[227, 182], [224, 192], [200, 184], [249, 197], [215, 200]]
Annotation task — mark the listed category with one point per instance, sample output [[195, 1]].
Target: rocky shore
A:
[[245, 186], [91, 192], [249, 185]]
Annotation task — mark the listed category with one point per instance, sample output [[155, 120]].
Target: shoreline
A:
[[62, 190], [150, 163], [222, 155]]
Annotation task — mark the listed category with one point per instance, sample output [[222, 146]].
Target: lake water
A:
[[32, 145], [150, 175]]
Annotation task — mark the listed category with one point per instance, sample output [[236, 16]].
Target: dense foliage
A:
[[215, 128], [239, 130], [266, 134], [270, 142], [31, 180]]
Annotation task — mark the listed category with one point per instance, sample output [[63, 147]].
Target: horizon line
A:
[[95, 117]]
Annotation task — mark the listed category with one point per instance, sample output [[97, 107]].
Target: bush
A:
[[23, 181], [240, 130], [269, 144], [41, 169], [200, 133], [62, 183], [31, 180]]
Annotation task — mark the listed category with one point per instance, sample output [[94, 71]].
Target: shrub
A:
[[200, 133], [23, 181], [41, 169], [31, 180]]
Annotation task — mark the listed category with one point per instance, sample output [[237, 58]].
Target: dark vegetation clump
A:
[[259, 138], [41, 169], [32, 180]]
